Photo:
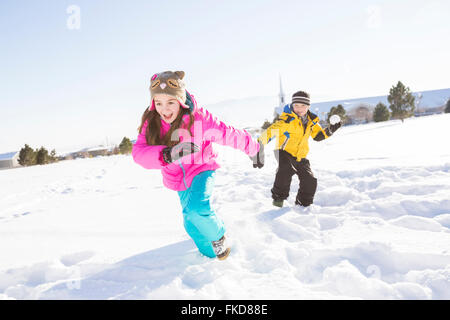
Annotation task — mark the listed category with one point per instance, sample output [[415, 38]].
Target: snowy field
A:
[[105, 228]]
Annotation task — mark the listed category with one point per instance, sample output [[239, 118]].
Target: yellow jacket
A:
[[291, 135]]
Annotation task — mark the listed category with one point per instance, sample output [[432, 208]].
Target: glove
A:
[[258, 159], [171, 154], [334, 127]]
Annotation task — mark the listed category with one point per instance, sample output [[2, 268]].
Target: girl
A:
[[175, 136]]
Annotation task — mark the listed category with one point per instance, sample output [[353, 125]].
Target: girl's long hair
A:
[[153, 131]]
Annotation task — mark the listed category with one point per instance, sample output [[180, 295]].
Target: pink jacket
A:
[[206, 129]]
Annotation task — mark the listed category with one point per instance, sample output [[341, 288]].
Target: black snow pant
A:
[[287, 167]]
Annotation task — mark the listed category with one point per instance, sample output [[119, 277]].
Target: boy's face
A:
[[300, 109]]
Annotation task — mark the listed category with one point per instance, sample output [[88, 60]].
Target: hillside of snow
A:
[[105, 228]]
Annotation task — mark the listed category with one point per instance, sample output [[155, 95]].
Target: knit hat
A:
[[170, 83], [301, 97]]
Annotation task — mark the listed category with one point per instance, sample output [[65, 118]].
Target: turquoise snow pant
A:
[[200, 221]]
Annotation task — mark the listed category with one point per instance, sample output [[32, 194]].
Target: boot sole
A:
[[224, 255]]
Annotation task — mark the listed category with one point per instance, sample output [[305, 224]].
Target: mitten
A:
[[171, 154], [258, 159], [334, 127]]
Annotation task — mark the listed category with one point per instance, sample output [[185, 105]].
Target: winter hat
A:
[[170, 83], [301, 97]]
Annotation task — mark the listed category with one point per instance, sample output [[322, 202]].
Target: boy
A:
[[293, 129]]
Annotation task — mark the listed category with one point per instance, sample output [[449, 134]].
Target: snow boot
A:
[[220, 248], [303, 203], [278, 203]]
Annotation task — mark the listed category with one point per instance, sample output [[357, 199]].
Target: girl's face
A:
[[167, 106], [300, 109]]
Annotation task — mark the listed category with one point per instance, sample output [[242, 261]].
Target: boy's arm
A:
[[274, 130], [319, 134], [149, 157]]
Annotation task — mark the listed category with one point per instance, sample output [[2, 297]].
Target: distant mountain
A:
[[251, 112]]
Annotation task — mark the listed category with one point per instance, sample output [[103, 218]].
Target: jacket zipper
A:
[[284, 143], [184, 174]]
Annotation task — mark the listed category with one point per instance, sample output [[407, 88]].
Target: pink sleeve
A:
[[218, 132], [147, 156]]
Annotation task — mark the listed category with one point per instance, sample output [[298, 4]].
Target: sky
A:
[[77, 72]]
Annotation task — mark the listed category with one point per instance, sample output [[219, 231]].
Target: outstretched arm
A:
[[217, 131], [319, 134]]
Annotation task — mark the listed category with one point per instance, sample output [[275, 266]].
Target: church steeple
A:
[[281, 102], [281, 94]]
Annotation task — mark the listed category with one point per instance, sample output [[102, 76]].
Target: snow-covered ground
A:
[[105, 228]]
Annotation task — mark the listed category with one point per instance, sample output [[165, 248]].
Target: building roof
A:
[[94, 149], [8, 156]]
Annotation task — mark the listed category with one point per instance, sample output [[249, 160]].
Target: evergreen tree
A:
[[401, 101], [381, 113], [42, 156], [27, 157], [447, 108], [125, 146], [52, 156], [340, 111]]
